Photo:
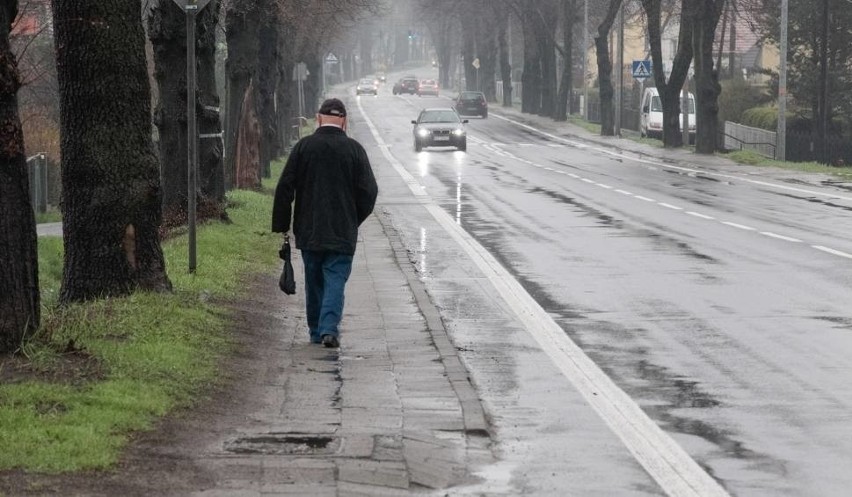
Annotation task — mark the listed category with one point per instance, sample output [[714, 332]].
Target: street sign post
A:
[[191, 8]]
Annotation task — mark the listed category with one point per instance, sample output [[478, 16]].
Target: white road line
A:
[[738, 226], [679, 168], [666, 461], [832, 251], [587, 180], [780, 237], [624, 192], [573, 175], [646, 199], [670, 206], [604, 186], [702, 216]]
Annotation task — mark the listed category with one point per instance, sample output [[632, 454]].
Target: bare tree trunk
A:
[[569, 18], [706, 77], [670, 90], [605, 70], [240, 70], [167, 32], [531, 77], [503, 45], [19, 292], [486, 50], [110, 173], [267, 81], [469, 52], [211, 166], [248, 172]]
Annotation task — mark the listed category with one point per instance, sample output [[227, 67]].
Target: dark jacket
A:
[[329, 176]]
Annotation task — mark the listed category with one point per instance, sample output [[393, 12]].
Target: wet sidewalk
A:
[[392, 412]]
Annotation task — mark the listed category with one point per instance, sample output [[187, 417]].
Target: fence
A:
[[739, 137], [517, 91]]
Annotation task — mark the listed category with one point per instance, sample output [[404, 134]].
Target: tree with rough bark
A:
[[707, 87], [167, 32], [266, 39], [568, 18], [110, 172], [605, 69], [670, 91], [19, 292]]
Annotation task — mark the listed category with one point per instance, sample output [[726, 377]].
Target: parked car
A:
[[471, 103], [428, 87], [407, 84], [366, 87], [439, 128], [651, 115]]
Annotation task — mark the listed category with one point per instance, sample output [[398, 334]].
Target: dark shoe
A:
[[330, 341]]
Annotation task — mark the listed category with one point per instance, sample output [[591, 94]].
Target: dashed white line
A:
[[646, 199], [670, 206], [624, 192], [702, 216], [587, 180], [832, 251], [780, 237], [738, 226], [604, 186]]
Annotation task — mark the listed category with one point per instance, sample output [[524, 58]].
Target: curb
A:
[[472, 411]]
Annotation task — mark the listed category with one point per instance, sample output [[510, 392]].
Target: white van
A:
[[651, 117]]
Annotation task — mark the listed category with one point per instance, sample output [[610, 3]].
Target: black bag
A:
[[287, 281]]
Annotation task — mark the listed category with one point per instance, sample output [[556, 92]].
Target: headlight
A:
[[458, 132], [423, 132]]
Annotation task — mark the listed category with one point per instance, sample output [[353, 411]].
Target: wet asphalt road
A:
[[719, 303]]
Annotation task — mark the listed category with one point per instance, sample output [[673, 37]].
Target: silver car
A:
[[439, 128]]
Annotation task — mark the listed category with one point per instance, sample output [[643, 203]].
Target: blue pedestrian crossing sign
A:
[[642, 69]]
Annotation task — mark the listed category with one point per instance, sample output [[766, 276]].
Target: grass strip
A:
[[107, 368]]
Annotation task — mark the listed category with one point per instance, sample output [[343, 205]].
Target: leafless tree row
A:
[[118, 189]]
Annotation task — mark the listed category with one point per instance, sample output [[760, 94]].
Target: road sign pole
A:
[[191, 8], [191, 134]]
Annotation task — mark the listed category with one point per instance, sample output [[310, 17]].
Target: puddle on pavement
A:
[[284, 444]]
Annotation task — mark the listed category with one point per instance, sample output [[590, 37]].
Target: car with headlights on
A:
[[439, 128], [366, 87]]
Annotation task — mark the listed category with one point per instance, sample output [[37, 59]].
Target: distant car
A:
[[382, 77], [408, 84], [471, 103], [366, 87], [428, 87], [439, 128]]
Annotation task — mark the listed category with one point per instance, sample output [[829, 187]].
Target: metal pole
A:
[[619, 77], [781, 134], [191, 136], [684, 109], [585, 56], [42, 181]]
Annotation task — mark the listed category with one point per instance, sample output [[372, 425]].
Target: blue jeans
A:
[[325, 278]]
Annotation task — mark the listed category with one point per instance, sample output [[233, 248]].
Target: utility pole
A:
[[619, 75], [781, 133], [585, 56]]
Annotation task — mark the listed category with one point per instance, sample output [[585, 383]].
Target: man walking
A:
[[329, 176]]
